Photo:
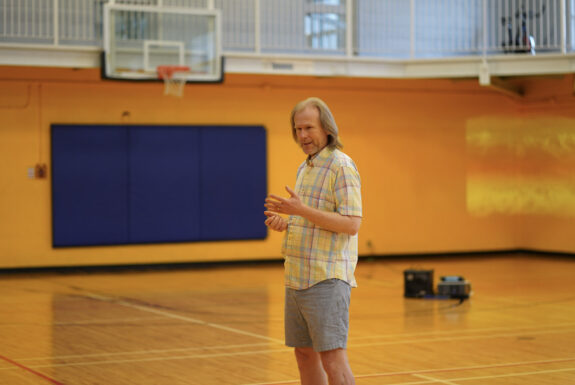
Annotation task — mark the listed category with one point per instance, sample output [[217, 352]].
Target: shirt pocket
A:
[[326, 203], [320, 197]]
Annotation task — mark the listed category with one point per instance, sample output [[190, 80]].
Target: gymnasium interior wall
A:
[[447, 165]]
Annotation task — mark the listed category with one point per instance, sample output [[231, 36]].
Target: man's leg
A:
[[337, 367], [310, 367]]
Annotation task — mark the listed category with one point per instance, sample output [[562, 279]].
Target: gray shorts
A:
[[318, 317]]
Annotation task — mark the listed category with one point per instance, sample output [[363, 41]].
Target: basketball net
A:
[[174, 78]]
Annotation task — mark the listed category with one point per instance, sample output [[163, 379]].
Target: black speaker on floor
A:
[[418, 283]]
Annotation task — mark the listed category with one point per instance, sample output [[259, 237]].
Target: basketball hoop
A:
[[174, 78]]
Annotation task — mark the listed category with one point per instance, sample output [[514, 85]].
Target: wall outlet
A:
[[39, 171]]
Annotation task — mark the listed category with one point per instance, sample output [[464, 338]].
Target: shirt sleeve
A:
[[348, 191]]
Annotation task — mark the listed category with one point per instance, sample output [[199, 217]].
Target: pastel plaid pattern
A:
[[330, 182]]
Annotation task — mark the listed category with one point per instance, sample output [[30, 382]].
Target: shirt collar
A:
[[320, 158]]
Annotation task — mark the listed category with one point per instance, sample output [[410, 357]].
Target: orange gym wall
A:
[[446, 165]]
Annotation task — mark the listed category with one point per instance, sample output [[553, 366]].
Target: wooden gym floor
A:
[[224, 325]]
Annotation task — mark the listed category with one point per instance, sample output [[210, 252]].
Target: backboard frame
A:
[[147, 71]]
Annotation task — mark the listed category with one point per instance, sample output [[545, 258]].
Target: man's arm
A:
[[331, 221]]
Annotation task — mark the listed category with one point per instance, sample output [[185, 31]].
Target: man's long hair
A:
[[325, 117]]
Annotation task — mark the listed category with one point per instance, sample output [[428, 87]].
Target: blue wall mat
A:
[[89, 185], [233, 182], [155, 184], [164, 184]]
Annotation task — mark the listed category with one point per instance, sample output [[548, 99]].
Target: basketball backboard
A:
[[139, 39]]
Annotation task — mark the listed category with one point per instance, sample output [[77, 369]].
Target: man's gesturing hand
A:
[[275, 222], [290, 206], [327, 220]]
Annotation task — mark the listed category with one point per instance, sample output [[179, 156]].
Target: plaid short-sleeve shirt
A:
[[329, 182]]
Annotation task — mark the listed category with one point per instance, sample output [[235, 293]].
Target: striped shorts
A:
[[318, 317]]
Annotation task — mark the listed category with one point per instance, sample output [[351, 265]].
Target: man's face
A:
[[310, 134]]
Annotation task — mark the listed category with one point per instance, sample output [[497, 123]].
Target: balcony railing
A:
[[362, 29]]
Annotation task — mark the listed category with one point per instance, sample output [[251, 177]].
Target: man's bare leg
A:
[[310, 367], [336, 365]]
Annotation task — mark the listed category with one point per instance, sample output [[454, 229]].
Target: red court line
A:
[[31, 370]]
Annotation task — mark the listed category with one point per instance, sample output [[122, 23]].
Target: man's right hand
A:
[[275, 222]]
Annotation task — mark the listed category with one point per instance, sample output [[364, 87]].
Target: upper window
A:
[[327, 2], [325, 31]]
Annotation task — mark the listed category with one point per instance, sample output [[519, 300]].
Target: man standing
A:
[[320, 246]]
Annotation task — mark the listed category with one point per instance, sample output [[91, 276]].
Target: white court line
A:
[[451, 332], [140, 352], [439, 370], [222, 347], [101, 321], [151, 359], [106, 321], [356, 377], [458, 338], [518, 374], [433, 380], [180, 317], [351, 345]]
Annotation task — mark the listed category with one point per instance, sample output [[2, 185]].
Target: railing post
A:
[[485, 35], [106, 31], [412, 30], [563, 23], [350, 28], [56, 22], [257, 28]]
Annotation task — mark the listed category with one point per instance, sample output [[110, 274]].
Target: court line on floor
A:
[[439, 370], [475, 367], [107, 321], [141, 352], [167, 314], [351, 346], [102, 322], [434, 380], [514, 374], [31, 371], [152, 359], [478, 330], [458, 338], [431, 380]]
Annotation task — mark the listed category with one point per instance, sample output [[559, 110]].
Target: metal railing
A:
[[408, 29]]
